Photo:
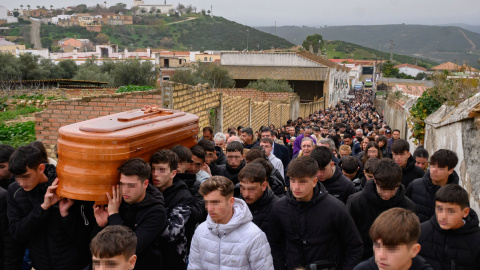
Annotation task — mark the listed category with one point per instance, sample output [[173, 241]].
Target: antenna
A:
[[392, 45]]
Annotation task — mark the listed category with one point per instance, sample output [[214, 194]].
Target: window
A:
[[205, 59]]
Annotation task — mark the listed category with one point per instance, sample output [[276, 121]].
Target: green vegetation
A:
[[33, 67], [215, 76], [133, 88], [20, 110], [271, 85], [425, 105], [51, 34], [316, 41], [17, 134]]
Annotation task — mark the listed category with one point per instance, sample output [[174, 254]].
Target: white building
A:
[[158, 8], [60, 17], [4, 15], [409, 69]]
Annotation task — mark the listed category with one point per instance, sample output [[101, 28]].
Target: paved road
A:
[[35, 35]]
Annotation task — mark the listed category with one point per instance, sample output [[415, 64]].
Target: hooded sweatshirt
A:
[[411, 172], [339, 185], [239, 244], [418, 263], [366, 206], [451, 249]]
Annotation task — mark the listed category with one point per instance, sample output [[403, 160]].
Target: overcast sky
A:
[[313, 12]]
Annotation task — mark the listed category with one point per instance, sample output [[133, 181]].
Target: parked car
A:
[[368, 83], [358, 86]]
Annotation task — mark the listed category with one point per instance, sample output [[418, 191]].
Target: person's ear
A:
[[465, 212], [231, 200], [132, 261], [41, 168], [173, 173], [451, 171], [145, 183], [264, 185], [414, 250]]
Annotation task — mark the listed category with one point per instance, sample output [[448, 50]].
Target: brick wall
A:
[[256, 95], [61, 92], [235, 112], [65, 112]]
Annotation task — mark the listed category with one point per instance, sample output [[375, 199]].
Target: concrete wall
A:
[[265, 59]]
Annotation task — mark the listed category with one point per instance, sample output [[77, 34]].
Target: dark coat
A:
[[366, 206], [148, 220], [418, 263], [281, 152], [55, 242], [173, 241], [411, 172], [3, 223], [339, 186], [452, 249], [261, 209], [231, 173], [277, 183], [324, 227], [249, 146], [221, 158], [422, 192]]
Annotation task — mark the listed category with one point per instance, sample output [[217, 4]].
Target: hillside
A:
[[346, 50], [437, 43], [202, 33]]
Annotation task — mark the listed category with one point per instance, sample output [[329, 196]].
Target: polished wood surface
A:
[[90, 152]]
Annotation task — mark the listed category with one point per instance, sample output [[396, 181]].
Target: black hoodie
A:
[[411, 172], [323, 226], [366, 206], [55, 242], [148, 219], [229, 172], [418, 263], [451, 249], [339, 185], [422, 192]]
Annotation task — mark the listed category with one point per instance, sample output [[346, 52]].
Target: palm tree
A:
[[21, 7], [51, 6], [105, 2], [28, 6]]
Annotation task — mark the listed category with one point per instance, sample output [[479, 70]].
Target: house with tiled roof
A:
[[410, 69], [311, 76], [447, 66]]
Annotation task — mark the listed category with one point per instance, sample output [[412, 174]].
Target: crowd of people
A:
[[338, 189]]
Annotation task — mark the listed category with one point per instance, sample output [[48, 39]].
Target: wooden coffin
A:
[[90, 152]]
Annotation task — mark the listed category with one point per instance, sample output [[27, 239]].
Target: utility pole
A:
[[275, 27], [392, 45], [248, 35]]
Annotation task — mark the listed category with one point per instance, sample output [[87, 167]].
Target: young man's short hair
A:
[[198, 152], [6, 152], [420, 152], [267, 140], [345, 148], [302, 167], [396, 226], [350, 164], [396, 130], [135, 166], [322, 155], [454, 194], [217, 182], [444, 158], [184, 154], [347, 136], [255, 153], [165, 156], [247, 130], [207, 145], [266, 165], [267, 129], [400, 146], [387, 174], [43, 151], [114, 240], [370, 165], [24, 157], [252, 173], [234, 147], [209, 129]]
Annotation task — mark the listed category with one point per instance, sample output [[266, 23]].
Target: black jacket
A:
[[326, 231], [261, 209], [281, 152], [418, 263], [422, 192], [366, 206], [339, 186], [231, 173], [173, 241], [55, 242], [221, 158], [451, 249], [4, 183], [197, 207], [277, 184], [148, 220], [3, 223], [411, 172]]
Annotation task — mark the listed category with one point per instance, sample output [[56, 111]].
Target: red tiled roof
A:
[[447, 66], [410, 66], [414, 90], [322, 61]]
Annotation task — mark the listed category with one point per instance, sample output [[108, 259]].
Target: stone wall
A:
[[256, 95], [61, 92], [308, 108]]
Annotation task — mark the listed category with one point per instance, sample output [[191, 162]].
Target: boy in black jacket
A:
[[401, 155], [395, 234], [178, 200], [309, 226], [56, 230], [451, 238], [379, 195], [136, 204]]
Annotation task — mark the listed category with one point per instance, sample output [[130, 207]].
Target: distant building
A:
[[7, 46], [4, 15], [162, 9], [77, 43], [38, 12], [409, 69]]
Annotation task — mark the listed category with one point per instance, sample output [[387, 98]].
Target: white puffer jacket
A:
[[239, 244]]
